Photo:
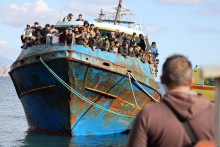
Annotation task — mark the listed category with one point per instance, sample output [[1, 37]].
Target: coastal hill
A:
[[4, 66]]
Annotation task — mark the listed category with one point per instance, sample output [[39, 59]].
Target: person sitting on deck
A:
[[96, 42], [69, 38], [27, 34], [127, 40], [116, 48], [181, 113], [112, 45], [117, 33], [124, 50], [55, 37], [69, 17], [121, 38], [142, 42], [92, 30], [37, 33], [81, 39], [29, 43], [133, 38], [105, 45], [86, 26], [131, 52], [136, 51], [97, 30], [104, 36], [52, 29], [45, 31], [80, 18]]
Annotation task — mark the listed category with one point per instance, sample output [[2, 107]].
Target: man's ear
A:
[[161, 79], [191, 82]]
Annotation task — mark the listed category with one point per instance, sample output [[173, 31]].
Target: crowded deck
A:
[[117, 40]]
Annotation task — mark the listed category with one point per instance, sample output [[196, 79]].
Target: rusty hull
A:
[[100, 76]]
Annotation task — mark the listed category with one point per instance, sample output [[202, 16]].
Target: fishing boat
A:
[[204, 87], [77, 91]]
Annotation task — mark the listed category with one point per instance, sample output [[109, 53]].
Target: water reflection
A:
[[41, 139]]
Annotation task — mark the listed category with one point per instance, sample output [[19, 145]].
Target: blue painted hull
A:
[[51, 107]]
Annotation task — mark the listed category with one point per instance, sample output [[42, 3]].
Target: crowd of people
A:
[[90, 36]]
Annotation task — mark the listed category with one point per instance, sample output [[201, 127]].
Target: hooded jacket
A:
[[159, 126]]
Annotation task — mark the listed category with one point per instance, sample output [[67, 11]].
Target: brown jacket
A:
[[157, 126]]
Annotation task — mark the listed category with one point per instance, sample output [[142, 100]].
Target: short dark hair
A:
[[47, 25], [177, 71]]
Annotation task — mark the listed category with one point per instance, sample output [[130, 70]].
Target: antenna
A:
[[61, 9]]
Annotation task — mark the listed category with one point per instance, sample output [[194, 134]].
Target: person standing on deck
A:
[[69, 17], [161, 124], [80, 18], [69, 38], [154, 51], [142, 43]]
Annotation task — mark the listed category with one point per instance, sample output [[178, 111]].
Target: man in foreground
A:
[[161, 124]]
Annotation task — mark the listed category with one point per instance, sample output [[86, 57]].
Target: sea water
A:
[[14, 129]]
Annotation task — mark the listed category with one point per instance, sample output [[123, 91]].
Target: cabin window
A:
[[210, 82]]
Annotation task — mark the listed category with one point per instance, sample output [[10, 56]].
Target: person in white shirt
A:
[[27, 34], [54, 37]]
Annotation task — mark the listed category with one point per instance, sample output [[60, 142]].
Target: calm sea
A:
[[14, 129]]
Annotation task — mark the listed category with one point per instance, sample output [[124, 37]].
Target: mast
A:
[[117, 14]]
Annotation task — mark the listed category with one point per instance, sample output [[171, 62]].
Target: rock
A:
[[4, 71]]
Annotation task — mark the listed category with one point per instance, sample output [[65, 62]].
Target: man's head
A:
[[70, 30], [86, 23], [117, 44], [130, 49], [141, 36], [96, 29], [66, 30], [92, 26], [47, 25], [97, 35], [106, 41], [125, 46], [153, 44], [76, 29], [28, 26], [36, 24], [177, 73], [80, 16], [134, 35], [82, 29], [112, 41], [70, 15]]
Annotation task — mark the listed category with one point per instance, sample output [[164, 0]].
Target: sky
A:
[[187, 27]]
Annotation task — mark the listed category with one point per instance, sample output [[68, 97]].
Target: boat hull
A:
[[51, 107]]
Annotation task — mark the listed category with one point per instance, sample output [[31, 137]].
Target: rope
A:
[[144, 89], [133, 91], [78, 94]]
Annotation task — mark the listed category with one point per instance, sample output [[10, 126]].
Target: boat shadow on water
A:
[[37, 138]]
